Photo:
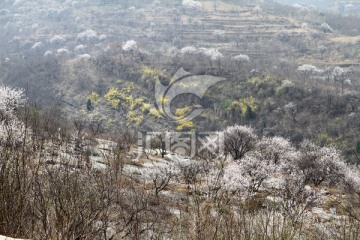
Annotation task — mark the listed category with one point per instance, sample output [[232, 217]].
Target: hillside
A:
[[178, 120], [72, 185], [76, 49]]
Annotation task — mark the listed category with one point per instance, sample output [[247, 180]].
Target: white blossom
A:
[[321, 164], [326, 28], [276, 149], [87, 35], [218, 33], [79, 48], [296, 197], [257, 10], [35, 26], [10, 100], [233, 179], [213, 54], [75, 4], [287, 83], [62, 51], [338, 73], [156, 3], [352, 180], [37, 45], [241, 58], [84, 56], [214, 180], [348, 82], [129, 46], [254, 171], [102, 37], [304, 26], [56, 39], [290, 107], [48, 53], [192, 5], [188, 50], [297, 6], [18, 2], [239, 140], [11, 131], [308, 69]]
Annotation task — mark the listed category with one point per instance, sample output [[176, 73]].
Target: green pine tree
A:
[[357, 147], [249, 114], [89, 105]]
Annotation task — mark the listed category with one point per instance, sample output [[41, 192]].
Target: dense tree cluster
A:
[[52, 181], [90, 71], [261, 159]]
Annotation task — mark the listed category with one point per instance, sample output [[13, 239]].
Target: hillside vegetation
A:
[[83, 89]]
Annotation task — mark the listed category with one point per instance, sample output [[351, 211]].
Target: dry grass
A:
[[344, 39]]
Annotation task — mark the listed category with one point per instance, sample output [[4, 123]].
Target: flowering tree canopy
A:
[[87, 35], [326, 28], [10, 100], [239, 140], [241, 58], [213, 54], [192, 5], [130, 46], [188, 50]]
